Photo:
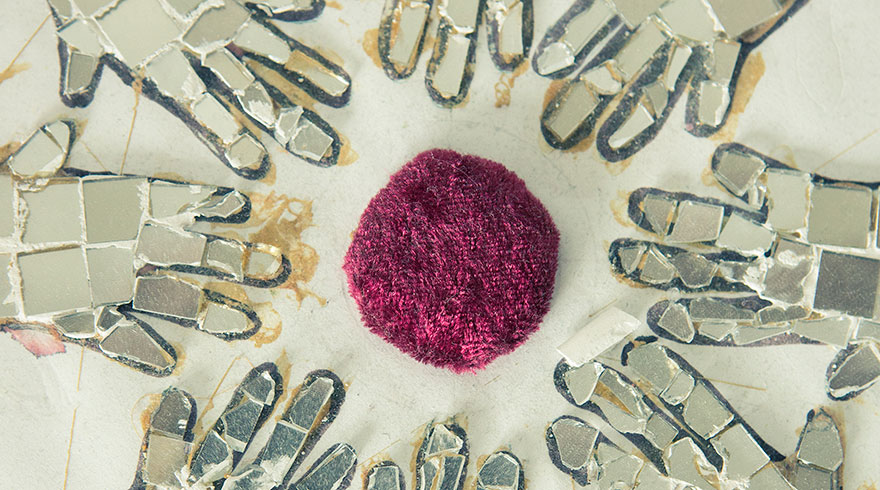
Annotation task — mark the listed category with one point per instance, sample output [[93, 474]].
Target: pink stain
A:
[[454, 261], [38, 342]]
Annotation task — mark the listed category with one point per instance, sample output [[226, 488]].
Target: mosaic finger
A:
[[402, 30], [167, 443], [450, 69], [221, 449], [510, 26]]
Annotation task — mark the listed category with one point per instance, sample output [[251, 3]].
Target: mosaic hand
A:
[[221, 67]]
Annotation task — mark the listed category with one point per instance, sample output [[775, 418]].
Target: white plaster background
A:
[[817, 98]]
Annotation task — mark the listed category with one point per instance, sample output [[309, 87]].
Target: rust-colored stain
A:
[[347, 155], [553, 89], [333, 4], [617, 168], [604, 392], [785, 154], [872, 485], [300, 62], [620, 210], [505, 84], [752, 71], [175, 177], [502, 91], [231, 290], [12, 70], [280, 221], [15, 68], [153, 400], [8, 150], [181, 355], [370, 44], [284, 368], [464, 102], [271, 329], [271, 175], [708, 178]]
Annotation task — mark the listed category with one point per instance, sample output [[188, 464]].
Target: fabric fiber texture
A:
[[454, 261]]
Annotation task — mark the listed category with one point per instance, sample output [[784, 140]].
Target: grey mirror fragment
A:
[[571, 442], [853, 370], [385, 475], [502, 470]]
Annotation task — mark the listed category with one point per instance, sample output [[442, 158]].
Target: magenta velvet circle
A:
[[454, 261]]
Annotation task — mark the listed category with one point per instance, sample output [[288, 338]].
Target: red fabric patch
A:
[[454, 261]]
